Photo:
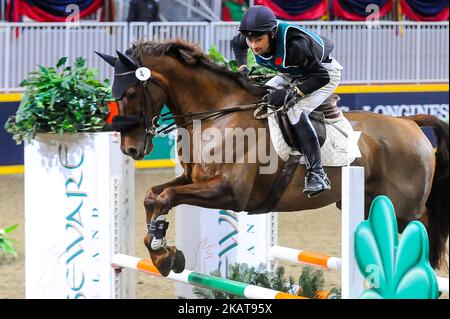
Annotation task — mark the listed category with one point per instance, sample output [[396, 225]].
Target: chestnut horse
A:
[[398, 159]]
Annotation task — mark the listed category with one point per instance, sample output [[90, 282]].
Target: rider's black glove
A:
[[244, 71], [278, 97]]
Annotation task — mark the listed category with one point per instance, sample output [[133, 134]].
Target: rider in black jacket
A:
[[143, 10], [304, 58]]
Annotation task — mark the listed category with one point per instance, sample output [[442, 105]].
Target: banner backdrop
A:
[[296, 9], [359, 10], [425, 10], [50, 10]]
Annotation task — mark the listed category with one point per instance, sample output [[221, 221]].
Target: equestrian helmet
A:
[[257, 20]]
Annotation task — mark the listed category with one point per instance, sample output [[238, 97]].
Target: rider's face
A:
[[259, 45]]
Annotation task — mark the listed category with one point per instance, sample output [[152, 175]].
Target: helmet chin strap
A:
[[272, 37]]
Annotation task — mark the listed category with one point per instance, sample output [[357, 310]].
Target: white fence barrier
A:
[[391, 53]]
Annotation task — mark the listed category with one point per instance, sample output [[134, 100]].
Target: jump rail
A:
[[240, 289], [325, 261]]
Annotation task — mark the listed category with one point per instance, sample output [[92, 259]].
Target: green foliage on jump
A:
[[249, 275], [394, 270], [6, 244], [217, 57], [311, 281], [61, 99], [258, 71]]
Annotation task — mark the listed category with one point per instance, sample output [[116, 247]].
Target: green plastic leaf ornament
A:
[[394, 269]]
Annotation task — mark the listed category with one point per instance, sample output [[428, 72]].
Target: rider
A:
[[307, 72]]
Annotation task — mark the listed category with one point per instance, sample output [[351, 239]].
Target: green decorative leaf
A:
[[59, 100], [395, 271], [61, 61], [233, 66], [267, 73], [10, 228], [216, 56], [44, 70], [6, 246], [80, 62]]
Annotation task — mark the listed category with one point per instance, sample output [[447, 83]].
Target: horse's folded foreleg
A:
[[155, 190], [212, 193]]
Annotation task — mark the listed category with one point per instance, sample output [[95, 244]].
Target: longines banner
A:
[[401, 100], [398, 104]]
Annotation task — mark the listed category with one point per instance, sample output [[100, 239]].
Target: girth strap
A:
[[278, 188]]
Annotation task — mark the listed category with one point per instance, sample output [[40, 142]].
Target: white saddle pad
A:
[[333, 151]]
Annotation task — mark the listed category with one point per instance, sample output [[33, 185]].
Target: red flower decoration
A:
[[278, 61]]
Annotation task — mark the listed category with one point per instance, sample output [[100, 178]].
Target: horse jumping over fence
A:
[[398, 159]]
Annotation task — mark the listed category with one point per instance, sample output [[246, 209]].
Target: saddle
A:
[[328, 110]]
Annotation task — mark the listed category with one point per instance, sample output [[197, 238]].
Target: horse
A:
[[398, 159]]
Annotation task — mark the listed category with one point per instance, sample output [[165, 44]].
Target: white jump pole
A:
[[352, 282], [201, 280], [443, 284], [306, 257]]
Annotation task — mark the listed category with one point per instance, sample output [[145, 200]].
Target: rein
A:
[[124, 123], [258, 106], [208, 114]]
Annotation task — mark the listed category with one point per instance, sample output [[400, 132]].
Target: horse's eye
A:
[[131, 94]]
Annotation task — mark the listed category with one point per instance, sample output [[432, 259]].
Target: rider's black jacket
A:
[[301, 51]]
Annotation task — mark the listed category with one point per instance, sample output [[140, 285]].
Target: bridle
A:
[[131, 122], [123, 123]]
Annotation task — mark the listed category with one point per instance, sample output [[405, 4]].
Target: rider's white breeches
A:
[[313, 100]]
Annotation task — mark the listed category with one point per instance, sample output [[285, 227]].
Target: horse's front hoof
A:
[[179, 262], [165, 267]]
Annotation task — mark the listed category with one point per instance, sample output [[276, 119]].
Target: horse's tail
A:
[[438, 201]]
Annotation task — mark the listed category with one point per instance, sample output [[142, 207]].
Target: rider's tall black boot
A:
[[316, 180]]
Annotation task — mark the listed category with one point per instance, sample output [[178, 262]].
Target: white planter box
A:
[[79, 212]]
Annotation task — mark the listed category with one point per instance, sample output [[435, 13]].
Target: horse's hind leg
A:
[[212, 193]]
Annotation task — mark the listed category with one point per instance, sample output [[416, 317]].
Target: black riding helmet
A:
[[257, 20]]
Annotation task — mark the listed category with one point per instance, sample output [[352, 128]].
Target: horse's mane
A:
[[189, 54]]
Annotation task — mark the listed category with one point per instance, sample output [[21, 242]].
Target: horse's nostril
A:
[[132, 151]]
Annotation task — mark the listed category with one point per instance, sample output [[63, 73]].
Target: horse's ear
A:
[[127, 61], [187, 56], [108, 58]]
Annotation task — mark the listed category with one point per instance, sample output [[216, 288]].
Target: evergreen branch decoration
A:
[[311, 281], [395, 270]]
